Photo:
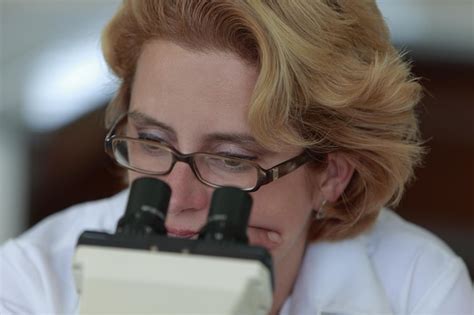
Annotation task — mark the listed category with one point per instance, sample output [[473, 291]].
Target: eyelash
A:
[[238, 156], [147, 136], [230, 154]]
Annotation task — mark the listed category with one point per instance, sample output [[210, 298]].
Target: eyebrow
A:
[[145, 120], [236, 138]]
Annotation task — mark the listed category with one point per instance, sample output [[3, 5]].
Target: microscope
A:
[[141, 270]]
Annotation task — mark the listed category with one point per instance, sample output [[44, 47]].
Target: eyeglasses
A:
[[155, 158]]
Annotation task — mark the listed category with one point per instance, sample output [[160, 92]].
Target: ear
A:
[[335, 178]]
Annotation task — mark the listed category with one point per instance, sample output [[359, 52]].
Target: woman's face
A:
[[199, 101]]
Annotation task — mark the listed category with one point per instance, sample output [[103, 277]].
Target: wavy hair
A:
[[329, 81]]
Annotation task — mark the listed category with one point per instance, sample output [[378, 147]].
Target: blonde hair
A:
[[329, 81]]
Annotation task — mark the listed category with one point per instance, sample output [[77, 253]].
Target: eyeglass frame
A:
[[264, 176]]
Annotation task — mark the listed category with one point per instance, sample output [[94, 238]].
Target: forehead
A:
[[193, 90]]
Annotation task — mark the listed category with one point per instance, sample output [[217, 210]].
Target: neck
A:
[[286, 272]]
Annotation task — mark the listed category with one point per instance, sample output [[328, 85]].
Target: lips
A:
[[181, 233], [260, 236]]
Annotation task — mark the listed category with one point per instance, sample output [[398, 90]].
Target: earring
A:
[[321, 213]]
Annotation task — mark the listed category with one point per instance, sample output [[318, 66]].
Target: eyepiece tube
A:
[[146, 208], [228, 216]]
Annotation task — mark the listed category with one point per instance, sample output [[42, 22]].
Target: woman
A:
[[315, 85]]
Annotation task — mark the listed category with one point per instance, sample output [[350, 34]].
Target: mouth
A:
[[182, 233], [259, 236]]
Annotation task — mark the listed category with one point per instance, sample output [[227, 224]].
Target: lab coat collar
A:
[[338, 278]]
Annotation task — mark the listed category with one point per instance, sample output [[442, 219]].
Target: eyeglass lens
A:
[[152, 158]]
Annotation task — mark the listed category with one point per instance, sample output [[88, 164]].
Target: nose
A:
[[188, 194]]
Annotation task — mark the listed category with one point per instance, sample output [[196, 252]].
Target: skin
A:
[[191, 99]]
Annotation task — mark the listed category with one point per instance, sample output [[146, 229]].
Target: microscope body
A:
[[191, 278], [147, 273]]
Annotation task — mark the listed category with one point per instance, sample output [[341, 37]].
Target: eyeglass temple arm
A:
[[111, 131], [289, 166], [284, 168], [114, 125]]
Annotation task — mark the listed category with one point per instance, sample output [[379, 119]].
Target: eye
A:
[[149, 136], [233, 163], [232, 155], [221, 163], [152, 145], [149, 148]]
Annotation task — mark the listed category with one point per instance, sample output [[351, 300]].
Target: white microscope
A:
[[140, 270]]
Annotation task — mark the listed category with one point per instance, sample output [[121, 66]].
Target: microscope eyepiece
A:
[[228, 216], [146, 209]]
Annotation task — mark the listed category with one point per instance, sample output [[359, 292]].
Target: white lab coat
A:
[[395, 268]]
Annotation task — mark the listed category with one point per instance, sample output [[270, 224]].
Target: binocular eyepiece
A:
[[147, 208]]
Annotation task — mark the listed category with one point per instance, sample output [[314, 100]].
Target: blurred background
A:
[[54, 85]]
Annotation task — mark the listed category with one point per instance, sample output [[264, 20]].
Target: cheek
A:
[[281, 207], [285, 200], [285, 206], [131, 176]]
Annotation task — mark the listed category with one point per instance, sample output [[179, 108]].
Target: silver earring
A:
[[321, 213]]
